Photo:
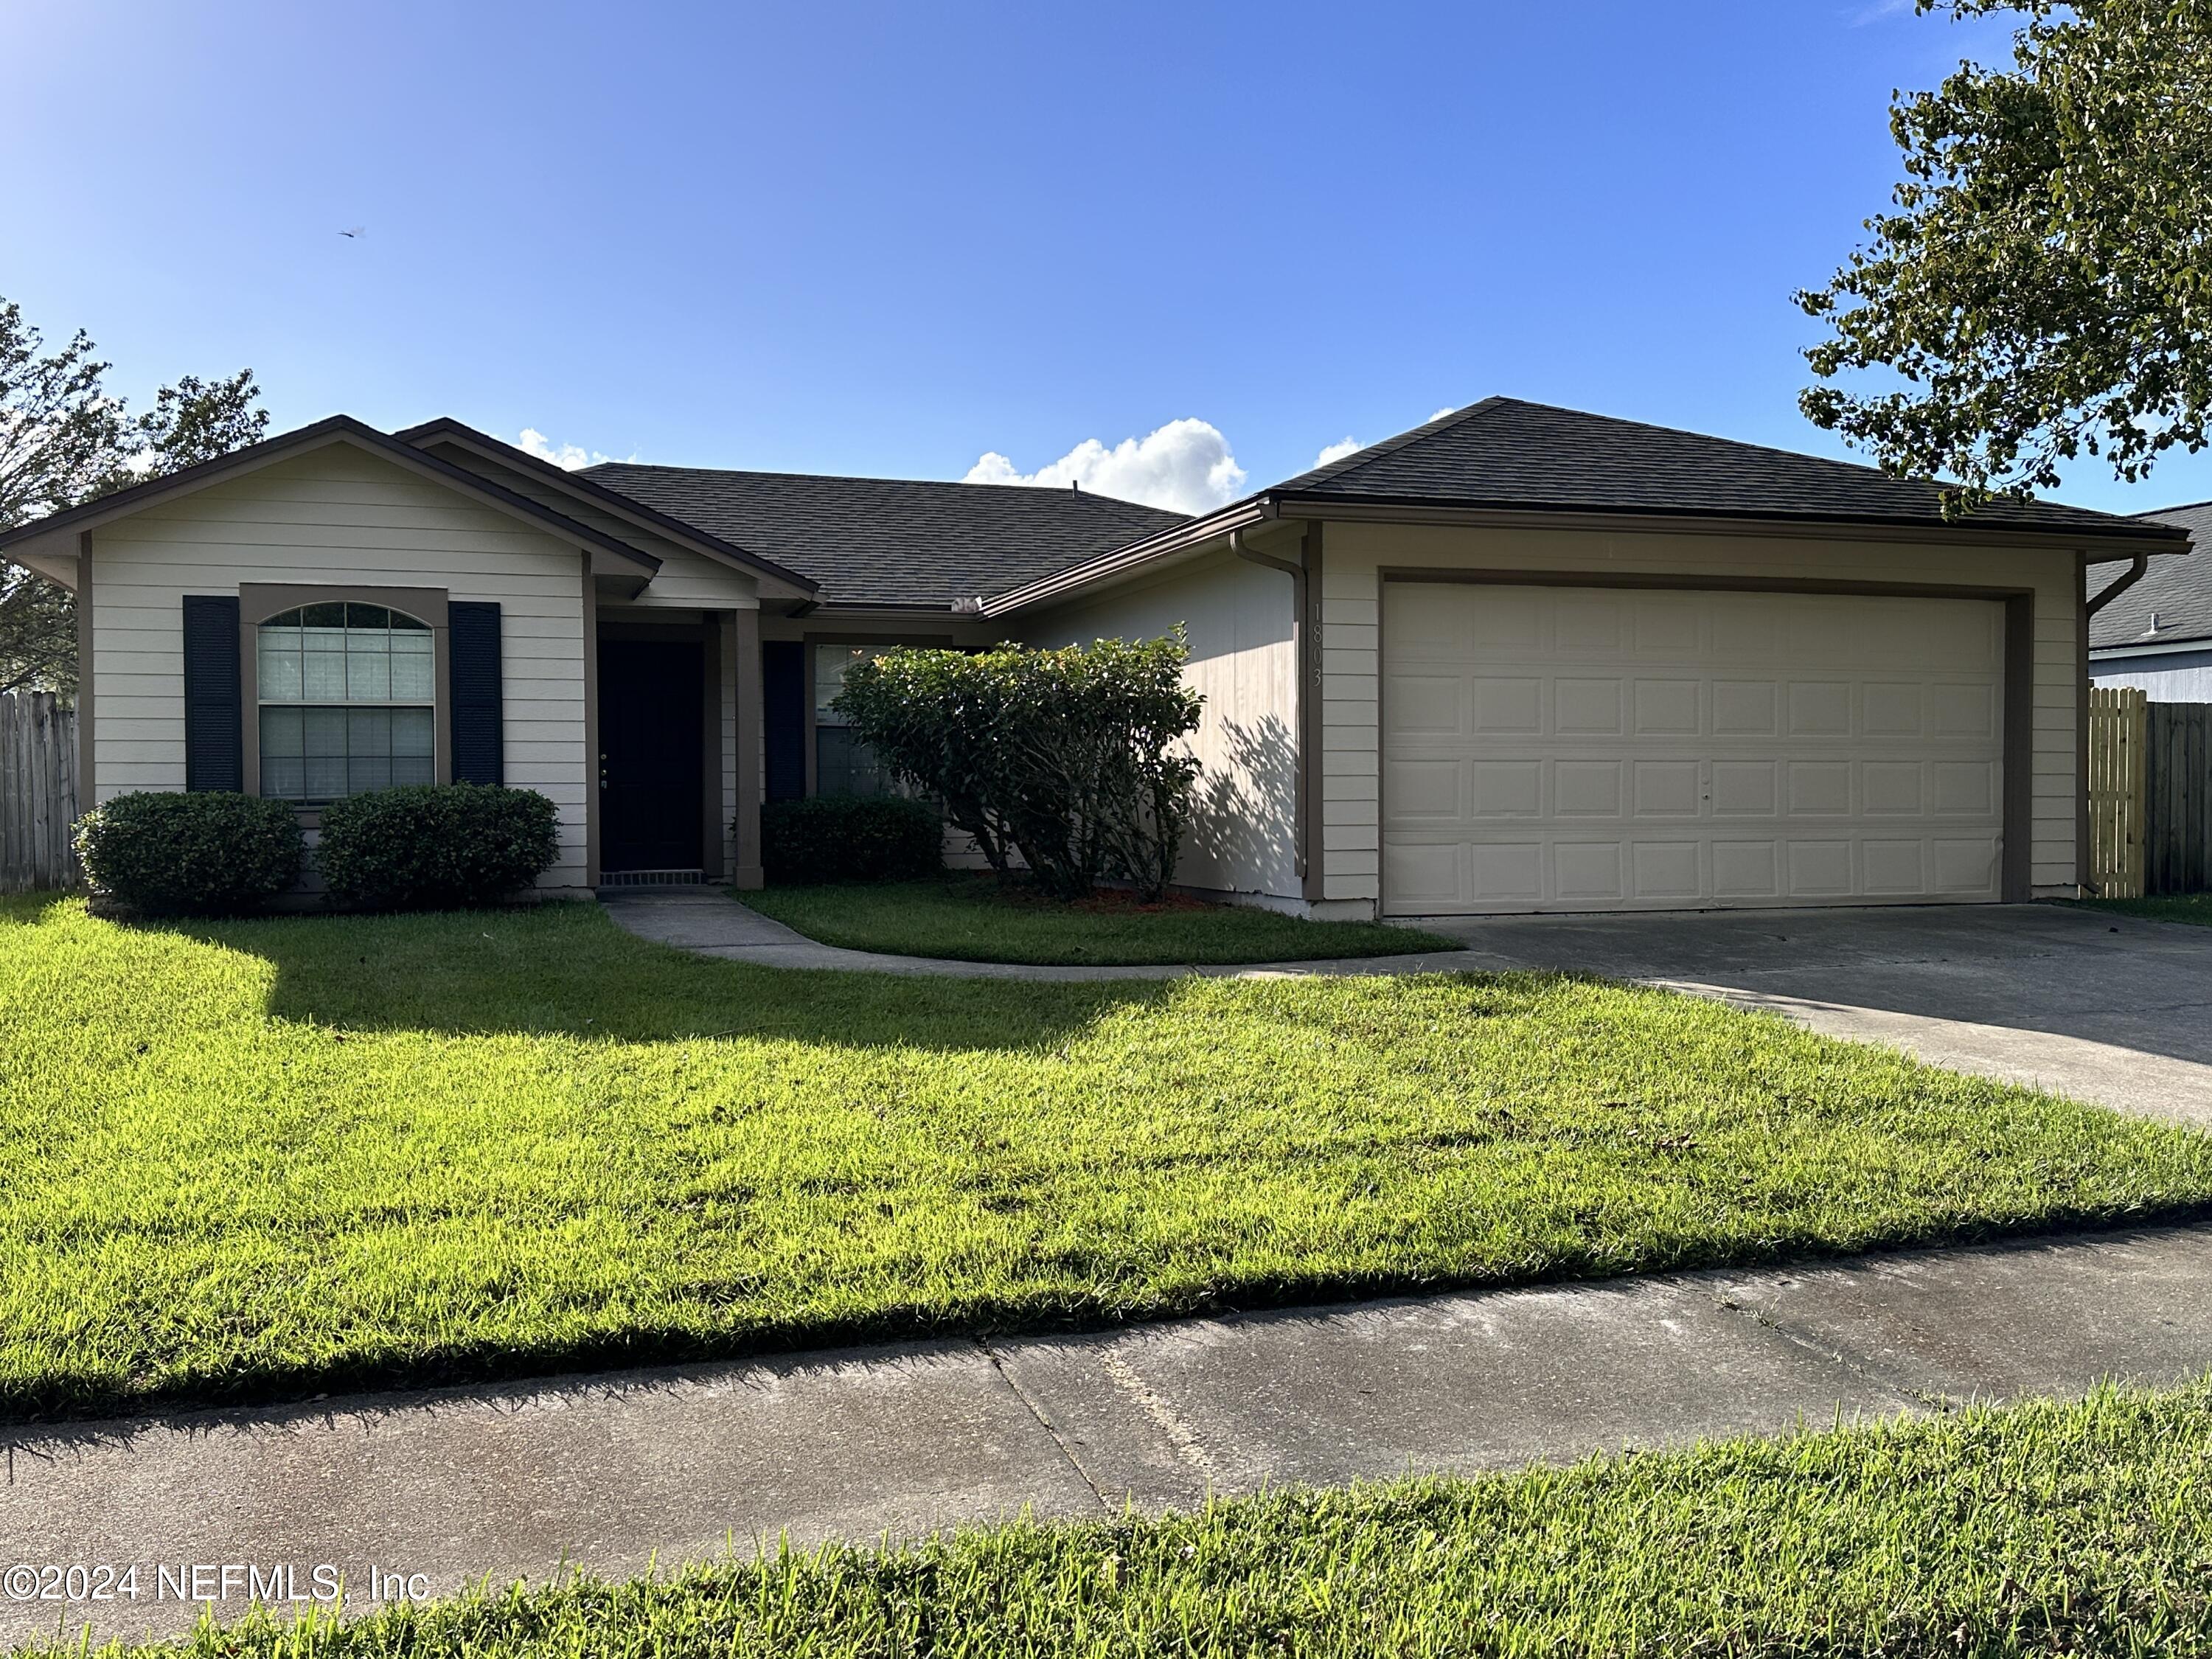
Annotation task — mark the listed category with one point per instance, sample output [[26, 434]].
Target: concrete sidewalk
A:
[[709, 923], [609, 1473]]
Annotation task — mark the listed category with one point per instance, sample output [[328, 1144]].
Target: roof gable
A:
[[33, 538], [588, 491]]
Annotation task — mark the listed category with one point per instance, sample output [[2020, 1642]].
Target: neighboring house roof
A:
[[467, 438], [894, 542], [1502, 454], [2178, 590], [337, 428]]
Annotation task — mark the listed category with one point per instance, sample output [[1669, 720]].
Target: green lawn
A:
[[2040, 1530], [266, 1158], [2189, 906], [971, 918]]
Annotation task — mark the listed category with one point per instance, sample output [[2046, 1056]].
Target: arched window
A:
[[348, 696]]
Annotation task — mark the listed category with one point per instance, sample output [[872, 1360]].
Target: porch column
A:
[[745, 657]]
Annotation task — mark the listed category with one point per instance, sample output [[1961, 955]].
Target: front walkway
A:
[[708, 922], [2102, 1008], [612, 1473]]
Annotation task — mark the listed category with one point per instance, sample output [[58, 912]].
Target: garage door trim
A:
[[2018, 677]]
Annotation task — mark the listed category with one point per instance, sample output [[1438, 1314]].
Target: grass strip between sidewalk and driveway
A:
[[261, 1159], [2041, 1528], [2193, 908], [970, 917]]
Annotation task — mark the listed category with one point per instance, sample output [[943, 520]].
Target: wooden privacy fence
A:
[[2118, 753], [2150, 794], [2177, 820], [38, 792]]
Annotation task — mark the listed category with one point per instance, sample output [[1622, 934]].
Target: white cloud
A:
[[1338, 451], [567, 457], [1447, 409], [1185, 465]]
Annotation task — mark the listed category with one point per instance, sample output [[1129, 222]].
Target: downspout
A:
[[2136, 566], [1301, 650]]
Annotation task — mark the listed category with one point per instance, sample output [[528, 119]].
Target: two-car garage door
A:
[[1590, 748]]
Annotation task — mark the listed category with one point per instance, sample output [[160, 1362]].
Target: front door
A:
[[652, 765]]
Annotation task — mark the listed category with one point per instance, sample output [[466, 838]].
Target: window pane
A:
[[400, 619], [406, 769], [368, 670], [326, 730], [327, 777], [831, 662], [280, 668], [281, 732], [283, 778], [368, 772], [368, 732], [845, 766], [323, 616], [414, 671], [414, 733], [367, 616], [322, 666]]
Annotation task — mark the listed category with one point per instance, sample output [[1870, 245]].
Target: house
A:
[[1520, 658], [2156, 631]]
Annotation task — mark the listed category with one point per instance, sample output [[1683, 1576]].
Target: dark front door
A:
[[652, 769]]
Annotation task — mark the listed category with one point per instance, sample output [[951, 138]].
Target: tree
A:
[[64, 441], [2043, 285]]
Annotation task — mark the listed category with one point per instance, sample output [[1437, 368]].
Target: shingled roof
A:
[[891, 541], [1506, 453], [2178, 590]]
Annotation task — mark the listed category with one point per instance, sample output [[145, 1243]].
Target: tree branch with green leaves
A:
[[65, 439], [2042, 288]]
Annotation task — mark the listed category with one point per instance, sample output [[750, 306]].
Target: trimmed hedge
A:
[[435, 846], [851, 838], [205, 853]]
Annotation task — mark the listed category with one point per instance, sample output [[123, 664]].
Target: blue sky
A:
[[894, 238]]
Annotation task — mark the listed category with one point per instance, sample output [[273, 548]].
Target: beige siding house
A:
[[1520, 659]]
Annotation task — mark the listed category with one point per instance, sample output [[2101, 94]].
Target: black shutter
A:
[[214, 747], [783, 712], [472, 648]]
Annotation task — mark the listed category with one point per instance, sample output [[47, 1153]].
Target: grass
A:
[[971, 918], [2039, 1529], [2194, 908], [266, 1158]]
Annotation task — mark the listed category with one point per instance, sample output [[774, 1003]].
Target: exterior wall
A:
[[2165, 676], [1243, 661], [338, 516], [1356, 553]]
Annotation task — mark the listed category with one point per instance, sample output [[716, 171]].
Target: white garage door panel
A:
[[1580, 748]]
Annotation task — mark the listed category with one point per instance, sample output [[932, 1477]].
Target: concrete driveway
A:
[[2101, 1007]]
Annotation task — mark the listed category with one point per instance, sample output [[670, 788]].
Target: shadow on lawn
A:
[[565, 971]]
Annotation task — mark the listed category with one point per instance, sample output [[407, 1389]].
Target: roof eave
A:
[[1188, 536], [2124, 536]]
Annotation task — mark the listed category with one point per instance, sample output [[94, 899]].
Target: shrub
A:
[[1071, 758], [435, 846], [845, 838], [206, 853]]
